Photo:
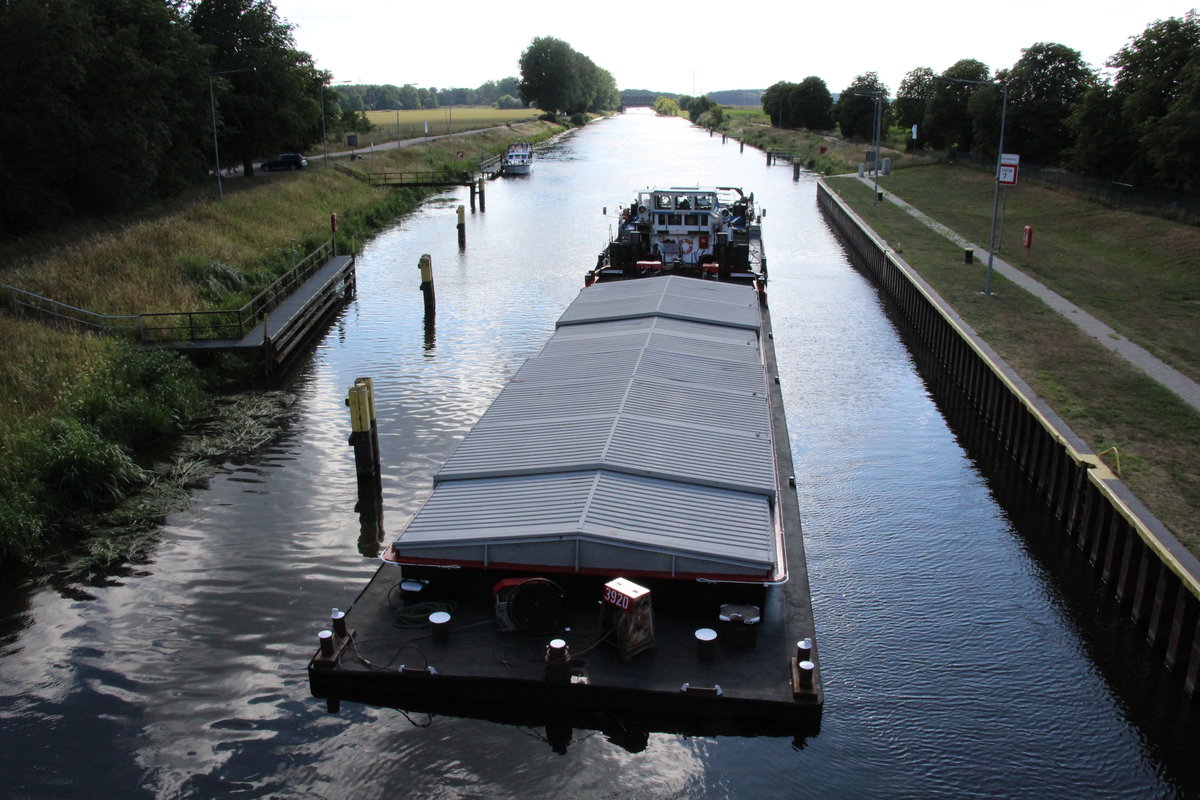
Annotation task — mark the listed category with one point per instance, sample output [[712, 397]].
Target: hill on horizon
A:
[[726, 97]]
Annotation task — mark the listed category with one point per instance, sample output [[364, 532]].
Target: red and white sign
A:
[[1010, 163]]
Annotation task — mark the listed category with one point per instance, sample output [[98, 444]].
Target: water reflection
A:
[[962, 654]]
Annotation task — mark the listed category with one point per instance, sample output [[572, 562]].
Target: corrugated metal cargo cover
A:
[[638, 439]]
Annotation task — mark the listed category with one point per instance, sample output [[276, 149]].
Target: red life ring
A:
[[704, 241], [685, 246]]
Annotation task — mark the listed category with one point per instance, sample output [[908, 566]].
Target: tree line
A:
[[1138, 124], [111, 104], [503, 93]]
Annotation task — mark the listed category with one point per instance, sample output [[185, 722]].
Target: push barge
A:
[[715, 234], [615, 545]]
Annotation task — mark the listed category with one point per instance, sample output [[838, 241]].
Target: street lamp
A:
[[878, 98], [213, 105], [987, 281], [324, 140]]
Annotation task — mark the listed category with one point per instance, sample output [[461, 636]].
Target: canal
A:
[[965, 652]]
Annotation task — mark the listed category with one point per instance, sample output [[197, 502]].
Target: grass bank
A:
[[822, 152], [1128, 270], [75, 409]]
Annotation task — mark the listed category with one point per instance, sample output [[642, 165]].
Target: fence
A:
[[167, 326], [1154, 202]]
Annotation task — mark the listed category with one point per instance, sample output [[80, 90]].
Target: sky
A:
[[697, 46]]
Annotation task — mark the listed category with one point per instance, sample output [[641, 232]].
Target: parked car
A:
[[285, 161]]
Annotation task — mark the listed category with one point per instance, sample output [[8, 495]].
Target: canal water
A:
[[965, 651]]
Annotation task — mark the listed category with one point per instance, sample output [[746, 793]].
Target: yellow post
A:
[[426, 267], [482, 197], [359, 401], [372, 426]]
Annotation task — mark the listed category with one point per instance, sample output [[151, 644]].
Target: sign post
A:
[[1010, 164]]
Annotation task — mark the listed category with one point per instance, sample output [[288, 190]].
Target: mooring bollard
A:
[[558, 662], [968, 256], [439, 624], [706, 639], [426, 267], [462, 227], [472, 188]]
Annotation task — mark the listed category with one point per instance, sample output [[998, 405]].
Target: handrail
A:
[[160, 326]]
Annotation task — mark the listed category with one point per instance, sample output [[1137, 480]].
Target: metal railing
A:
[[427, 178], [167, 326]]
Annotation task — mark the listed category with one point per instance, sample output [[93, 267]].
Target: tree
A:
[[916, 88], [856, 106], [1043, 86], [1102, 143], [666, 107], [1150, 85], [947, 117], [1173, 145], [120, 80], [555, 78], [549, 77], [775, 103], [810, 105], [276, 107]]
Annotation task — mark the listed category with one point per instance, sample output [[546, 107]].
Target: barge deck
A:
[[616, 545]]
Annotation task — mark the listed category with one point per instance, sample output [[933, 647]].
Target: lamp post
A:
[[987, 281], [324, 140], [212, 102], [878, 98]]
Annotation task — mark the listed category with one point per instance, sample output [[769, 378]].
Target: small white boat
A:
[[518, 160]]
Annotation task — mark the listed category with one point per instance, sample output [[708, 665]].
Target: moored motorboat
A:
[[518, 159]]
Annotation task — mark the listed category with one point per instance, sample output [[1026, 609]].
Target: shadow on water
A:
[[1150, 696]]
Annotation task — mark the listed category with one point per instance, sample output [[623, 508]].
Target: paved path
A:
[[1184, 387]]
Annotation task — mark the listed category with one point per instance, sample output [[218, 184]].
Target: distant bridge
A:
[[638, 99]]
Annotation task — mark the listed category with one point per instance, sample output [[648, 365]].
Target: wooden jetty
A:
[[505, 596], [271, 325]]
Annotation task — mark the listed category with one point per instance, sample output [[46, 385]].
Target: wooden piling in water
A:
[[462, 227], [482, 196], [426, 267], [360, 403]]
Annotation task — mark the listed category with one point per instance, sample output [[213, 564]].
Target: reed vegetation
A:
[[76, 410]]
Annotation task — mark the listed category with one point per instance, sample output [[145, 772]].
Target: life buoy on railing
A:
[[704, 241], [685, 246]]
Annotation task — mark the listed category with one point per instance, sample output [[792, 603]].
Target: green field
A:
[[392, 125]]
